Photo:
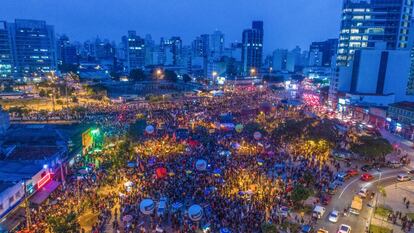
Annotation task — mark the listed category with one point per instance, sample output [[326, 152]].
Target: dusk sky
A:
[[287, 22]]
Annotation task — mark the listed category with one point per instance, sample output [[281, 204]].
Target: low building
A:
[[401, 119], [4, 121]]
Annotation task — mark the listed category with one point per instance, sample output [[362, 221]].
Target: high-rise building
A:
[[321, 53], [6, 60], [135, 51], [252, 52], [217, 44], [366, 22], [33, 47], [279, 59], [376, 24], [66, 52]]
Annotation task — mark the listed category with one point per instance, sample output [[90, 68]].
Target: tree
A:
[[186, 78], [269, 228], [42, 93], [137, 129], [170, 75], [137, 75], [299, 194], [252, 127], [372, 147], [64, 224]]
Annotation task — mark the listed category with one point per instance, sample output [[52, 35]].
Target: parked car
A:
[[403, 177], [306, 229], [363, 192], [367, 177], [352, 172], [332, 188], [325, 199], [343, 228], [366, 168], [333, 216], [395, 164]]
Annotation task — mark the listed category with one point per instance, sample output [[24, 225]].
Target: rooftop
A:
[[16, 171], [33, 152], [404, 105], [4, 185]]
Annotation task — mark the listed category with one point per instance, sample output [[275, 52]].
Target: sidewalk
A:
[[394, 199], [405, 145]]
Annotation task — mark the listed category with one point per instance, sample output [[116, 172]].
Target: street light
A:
[[158, 73], [253, 72], [214, 76]]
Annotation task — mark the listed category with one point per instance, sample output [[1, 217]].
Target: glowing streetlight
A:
[[253, 72], [214, 74], [158, 73]]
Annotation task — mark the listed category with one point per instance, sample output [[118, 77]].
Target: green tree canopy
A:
[[300, 193], [170, 75], [64, 224], [137, 75], [186, 78], [371, 147], [136, 130]]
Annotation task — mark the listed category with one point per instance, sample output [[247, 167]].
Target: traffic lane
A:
[[344, 197]]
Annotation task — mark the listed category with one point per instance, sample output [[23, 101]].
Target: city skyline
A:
[[283, 20]]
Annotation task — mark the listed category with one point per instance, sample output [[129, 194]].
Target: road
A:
[[343, 198]]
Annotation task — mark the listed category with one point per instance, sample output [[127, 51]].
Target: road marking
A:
[[375, 173], [346, 187]]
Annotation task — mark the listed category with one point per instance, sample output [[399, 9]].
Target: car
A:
[[403, 177], [343, 228], [322, 231], [395, 164], [325, 199], [332, 188], [363, 192], [306, 229], [352, 172], [367, 177], [366, 168], [284, 211], [341, 176], [410, 172], [333, 216]]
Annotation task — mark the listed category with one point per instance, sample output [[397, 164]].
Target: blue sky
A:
[[287, 22]]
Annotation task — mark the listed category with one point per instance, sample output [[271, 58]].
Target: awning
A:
[[42, 194]]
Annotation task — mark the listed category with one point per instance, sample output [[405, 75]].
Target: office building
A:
[[366, 22], [252, 52], [216, 44], [135, 51], [376, 76], [321, 53], [6, 59], [279, 60], [66, 52], [33, 47], [369, 25]]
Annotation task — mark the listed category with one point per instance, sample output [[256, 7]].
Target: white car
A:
[[363, 192], [344, 229], [333, 216], [403, 177]]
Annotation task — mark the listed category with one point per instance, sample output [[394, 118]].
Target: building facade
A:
[[33, 47], [135, 51], [6, 59], [252, 52], [364, 23]]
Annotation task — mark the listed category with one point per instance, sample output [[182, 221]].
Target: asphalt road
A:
[[343, 198]]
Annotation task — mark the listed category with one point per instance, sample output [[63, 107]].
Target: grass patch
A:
[[383, 211], [378, 229], [410, 215]]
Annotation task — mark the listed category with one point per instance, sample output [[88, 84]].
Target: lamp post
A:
[[214, 74]]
